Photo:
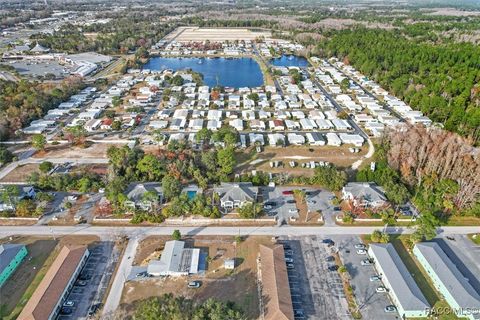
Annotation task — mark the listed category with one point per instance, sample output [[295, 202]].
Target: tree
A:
[[171, 186], [9, 195], [5, 155], [249, 210], [151, 167], [25, 208], [176, 235], [329, 177], [204, 134], [116, 125], [45, 166], [226, 160], [426, 227], [379, 236], [39, 141]]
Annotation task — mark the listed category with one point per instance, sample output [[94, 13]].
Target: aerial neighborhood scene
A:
[[240, 159]]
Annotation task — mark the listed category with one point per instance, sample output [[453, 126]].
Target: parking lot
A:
[[92, 283], [282, 204], [371, 303], [321, 200], [317, 292]]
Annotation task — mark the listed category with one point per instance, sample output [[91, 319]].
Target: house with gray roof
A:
[[402, 288], [364, 194], [143, 196], [236, 195], [175, 260], [448, 280]]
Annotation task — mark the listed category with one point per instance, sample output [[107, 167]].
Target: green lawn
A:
[[475, 238], [422, 280], [455, 221]]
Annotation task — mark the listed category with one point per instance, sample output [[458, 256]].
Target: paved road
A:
[[107, 232], [124, 269]]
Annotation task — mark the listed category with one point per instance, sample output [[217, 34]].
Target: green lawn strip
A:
[[32, 287], [475, 237], [422, 280]]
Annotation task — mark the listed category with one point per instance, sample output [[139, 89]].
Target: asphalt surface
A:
[[106, 232], [371, 303], [101, 267], [315, 290]]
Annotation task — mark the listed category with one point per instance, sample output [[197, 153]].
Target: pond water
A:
[[290, 61], [227, 72]]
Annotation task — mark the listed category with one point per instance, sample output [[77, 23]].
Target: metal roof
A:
[[452, 279], [402, 284], [7, 253]]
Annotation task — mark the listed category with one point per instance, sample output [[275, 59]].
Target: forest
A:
[[440, 80], [24, 101], [122, 34], [441, 167]]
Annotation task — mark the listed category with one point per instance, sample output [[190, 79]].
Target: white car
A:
[[361, 251], [381, 289], [293, 211], [359, 246], [69, 303], [375, 278]]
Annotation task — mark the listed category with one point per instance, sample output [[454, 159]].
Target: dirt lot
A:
[[41, 253], [340, 156], [95, 150], [237, 285], [21, 173], [187, 34]]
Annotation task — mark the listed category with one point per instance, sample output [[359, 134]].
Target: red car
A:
[[287, 192]]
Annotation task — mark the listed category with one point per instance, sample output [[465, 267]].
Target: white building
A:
[[176, 260]]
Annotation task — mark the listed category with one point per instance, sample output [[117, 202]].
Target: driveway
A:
[[315, 290], [100, 266], [371, 303], [86, 210], [321, 200], [284, 208]]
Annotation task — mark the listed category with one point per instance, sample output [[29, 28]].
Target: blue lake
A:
[[290, 61], [227, 72]]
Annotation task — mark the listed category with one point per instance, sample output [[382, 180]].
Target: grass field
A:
[[475, 238]]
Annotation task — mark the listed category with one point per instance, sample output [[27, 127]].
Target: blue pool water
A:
[[227, 72], [290, 61], [191, 194]]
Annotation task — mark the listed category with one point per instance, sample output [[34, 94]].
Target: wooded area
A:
[[24, 101], [440, 80]]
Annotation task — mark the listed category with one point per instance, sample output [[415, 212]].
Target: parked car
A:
[[287, 192], [288, 260], [93, 309], [66, 310], [333, 268], [360, 246], [361, 251], [290, 266], [288, 252], [328, 241], [381, 289], [292, 211], [298, 313], [390, 308], [330, 258], [81, 283], [366, 262], [287, 246], [69, 303], [375, 278], [85, 276], [291, 201], [194, 284]]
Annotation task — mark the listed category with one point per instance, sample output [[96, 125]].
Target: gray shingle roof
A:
[[453, 280], [368, 191], [402, 283], [241, 191], [136, 191]]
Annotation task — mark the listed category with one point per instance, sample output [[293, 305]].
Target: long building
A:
[[275, 286], [403, 290], [176, 260], [47, 300], [11, 256], [448, 280]]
